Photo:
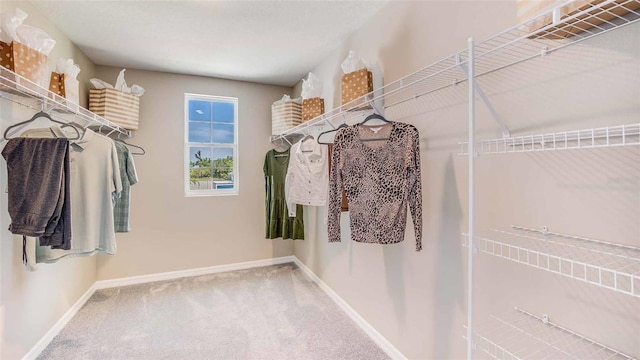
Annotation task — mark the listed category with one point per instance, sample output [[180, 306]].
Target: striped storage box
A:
[[284, 116], [115, 106]]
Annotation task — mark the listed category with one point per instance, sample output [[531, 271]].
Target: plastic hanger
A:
[[281, 145], [372, 117], [131, 145], [40, 114], [375, 116], [283, 154], [327, 132], [307, 137]]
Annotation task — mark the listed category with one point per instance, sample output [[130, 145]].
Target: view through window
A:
[[211, 145]]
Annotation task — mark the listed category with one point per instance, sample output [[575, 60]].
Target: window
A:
[[211, 145]]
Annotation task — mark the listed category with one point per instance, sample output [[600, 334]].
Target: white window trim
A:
[[236, 163]]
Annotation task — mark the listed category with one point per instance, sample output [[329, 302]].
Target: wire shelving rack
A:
[[616, 267], [536, 38], [513, 46], [22, 91], [522, 335], [610, 136], [605, 264]]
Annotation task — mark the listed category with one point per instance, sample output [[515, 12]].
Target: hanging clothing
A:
[[307, 181], [278, 222], [344, 206], [379, 179], [129, 177], [38, 187], [94, 183]]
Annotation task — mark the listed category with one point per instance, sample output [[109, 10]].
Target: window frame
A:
[[187, 145]]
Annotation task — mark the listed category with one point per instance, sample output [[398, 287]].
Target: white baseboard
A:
[[380, 340], [59, 325], [133, 280]]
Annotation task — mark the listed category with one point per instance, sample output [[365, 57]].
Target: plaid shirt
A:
[[129, 177]]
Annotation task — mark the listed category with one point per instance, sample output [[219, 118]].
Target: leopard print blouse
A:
[[379, 181]]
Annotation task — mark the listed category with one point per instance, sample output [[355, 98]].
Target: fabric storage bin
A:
[[312, 108], [115, 106], [527, 9], [26, 62], [284, 116], [356, 84]]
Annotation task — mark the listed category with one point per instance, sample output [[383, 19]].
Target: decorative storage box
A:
[[527, 9], [25, 62], [312, 108], [356, 84], [66, 87], [56, 84], [115, 106], [284, 116]]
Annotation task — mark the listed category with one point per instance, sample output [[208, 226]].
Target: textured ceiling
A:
[[273, 42]]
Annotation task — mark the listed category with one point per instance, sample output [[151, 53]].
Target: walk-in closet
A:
[[335, 180]]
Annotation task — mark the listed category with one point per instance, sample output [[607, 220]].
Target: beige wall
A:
[[33, 302], [173, 232], [417, 300]]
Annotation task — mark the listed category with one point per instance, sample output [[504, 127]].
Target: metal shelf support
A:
[[505, 130]]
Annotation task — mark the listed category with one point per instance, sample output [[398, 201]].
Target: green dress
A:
[[278, 222]]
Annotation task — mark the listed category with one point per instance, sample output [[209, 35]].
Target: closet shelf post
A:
[[470, 76], [505, 130]]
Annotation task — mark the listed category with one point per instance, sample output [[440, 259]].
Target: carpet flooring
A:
[[272, 313]]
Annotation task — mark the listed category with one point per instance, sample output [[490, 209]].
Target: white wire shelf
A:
[[523, 335], [605, 264], [611, 136], [20, 90], [528, 40]]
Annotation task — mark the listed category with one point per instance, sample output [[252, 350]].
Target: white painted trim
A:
[[104, 284], [59, 325], [380, 340]]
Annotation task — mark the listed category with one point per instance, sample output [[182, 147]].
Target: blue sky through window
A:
[[199, 110], [201, 128], [223, 133], [199, 132], [219, 153], [223, 112]]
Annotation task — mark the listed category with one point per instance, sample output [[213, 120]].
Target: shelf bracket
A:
[[505, 131], [375, 108]]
